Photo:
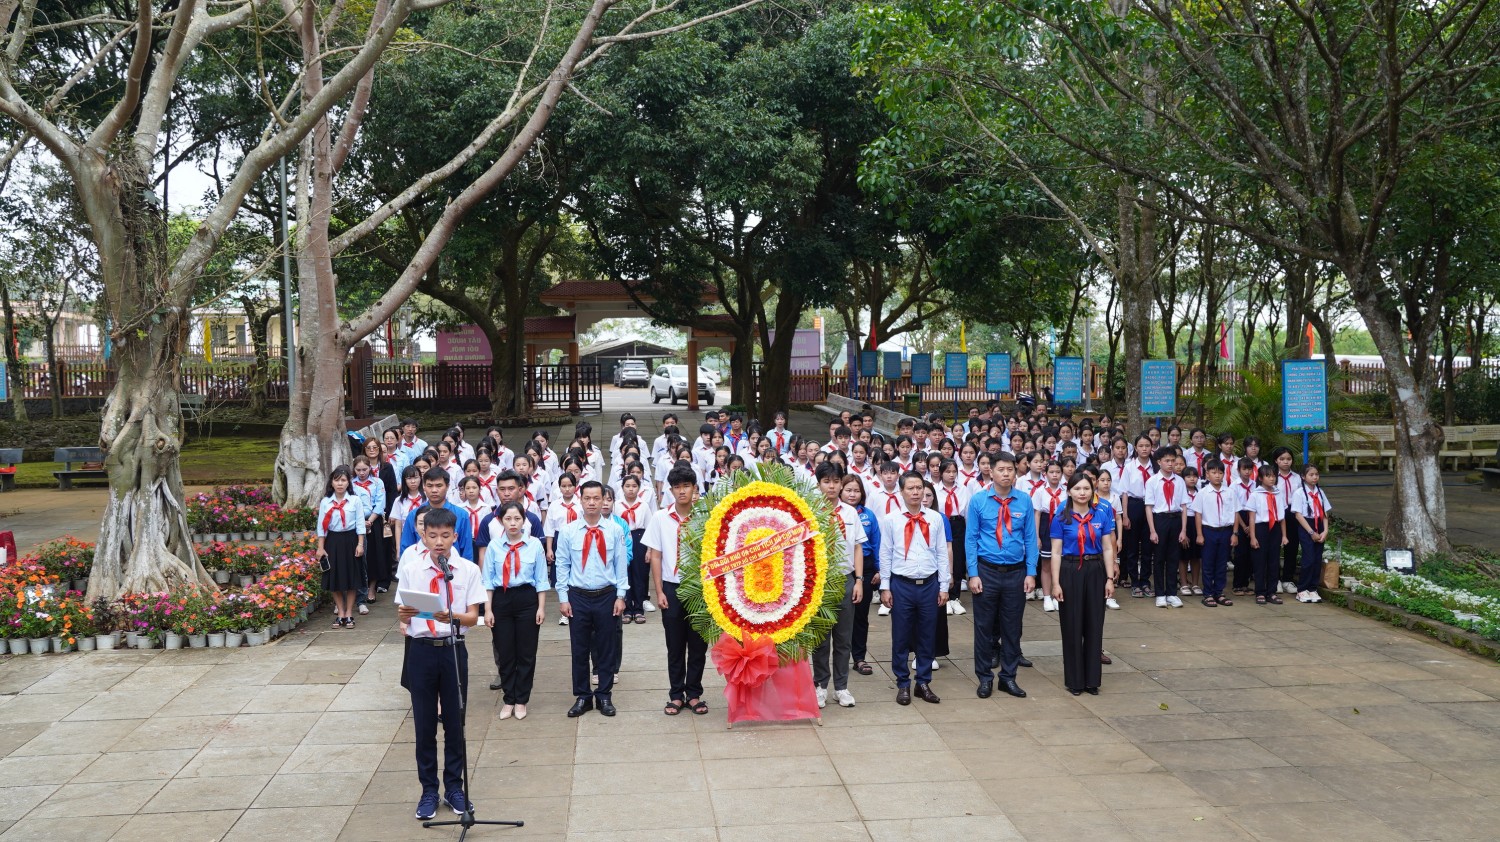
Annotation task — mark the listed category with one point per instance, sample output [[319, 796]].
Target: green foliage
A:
[[1253, 407], [1476, 398]]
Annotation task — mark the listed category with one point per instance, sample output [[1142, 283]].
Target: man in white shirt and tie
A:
[[914, 579]]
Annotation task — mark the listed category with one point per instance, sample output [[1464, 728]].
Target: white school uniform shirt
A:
[[1136, 477], [465, 453], [404, 506], [1217, 506], [557, 515], [659, 447], [539, 491], [1199, 459], [477, 513], [953, 502], [853, 531], [417, 572], [455, 473], [1156, 496], [639, 511], [1116, 471], [922, 559], [1029, 483], [663, 534], [1302, 503], [1049, 500], [883, 502], [971, 478], [1287, 486], [1261, 501]]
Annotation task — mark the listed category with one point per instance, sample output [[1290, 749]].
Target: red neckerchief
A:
[[572, 515], [511, 565], [1085, 532], [1002, 524], [474, 518], [336, 506], [1271, 506], [592, 536], [629, 512], [1056, 497], [1168, 488], [432, 587], [913, 523], [951, 504]]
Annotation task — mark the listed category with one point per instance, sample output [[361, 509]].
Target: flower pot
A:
[[197, 641], [288, 536], [105, 642], [244, 581], [222, 576], [262, 536], [232, 640], [116, 636], [80, 585], [61, 644], [221, 537], [132, 639], [173, 640], [270, 632], [40, 645], [17, 645], [145, 641], [255, 637], [216, 640], [86, 644]]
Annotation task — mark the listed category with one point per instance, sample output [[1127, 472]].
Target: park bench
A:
[[1370, 443], [885, 419], [90, 458], [11, 456], [191, 406]]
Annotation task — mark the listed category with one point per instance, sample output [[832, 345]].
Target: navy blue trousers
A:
[[1311, 574], [913, 627], [997, 618], [429, 676], [1215, 558], [595, 633]]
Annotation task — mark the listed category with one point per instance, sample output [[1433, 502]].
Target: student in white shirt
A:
[[1310, 507], [886, 496], [634, 508], [1265, 518], [433, 673], [341, 544], [686, 650], [1217, 510], [1166, 496], [1048, 499], [914, 571], [831, 658], [953, 502], [1288, 483]]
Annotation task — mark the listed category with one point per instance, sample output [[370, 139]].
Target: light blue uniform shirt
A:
[[374, 496], [1020, 540], [349, 519], [571, 573], [533, 565]]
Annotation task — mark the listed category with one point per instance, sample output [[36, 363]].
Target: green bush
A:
[[1476, 398]]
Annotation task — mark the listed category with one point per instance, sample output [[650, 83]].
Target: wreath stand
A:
[[760, 688]]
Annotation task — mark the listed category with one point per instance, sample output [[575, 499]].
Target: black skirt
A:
[[346, 571]]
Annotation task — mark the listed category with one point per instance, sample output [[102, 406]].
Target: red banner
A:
[[751, 553]]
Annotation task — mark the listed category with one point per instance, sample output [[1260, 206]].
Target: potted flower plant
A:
[[37, 625]]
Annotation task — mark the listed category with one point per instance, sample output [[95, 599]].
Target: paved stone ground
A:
[[1288, 722]]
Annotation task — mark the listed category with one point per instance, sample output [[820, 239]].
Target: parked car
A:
[[670, 382], [632, 373]]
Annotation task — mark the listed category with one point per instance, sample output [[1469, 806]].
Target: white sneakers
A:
[[1288, 587], [958, 607], [1174, 602], [1037, 594], [1161, 602], [1049, 604], [882, 611], [1111, 604], [649, 606], [363, 608], [562, 621], [936, 665], [846, 699], [1308, 596], [822, 697], [950, 607]]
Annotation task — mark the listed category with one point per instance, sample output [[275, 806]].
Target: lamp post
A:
[[286, 290]]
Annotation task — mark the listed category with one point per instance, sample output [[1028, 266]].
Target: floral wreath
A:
[[791, 596]]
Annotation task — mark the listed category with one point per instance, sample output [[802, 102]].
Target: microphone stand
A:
[[467, 820]]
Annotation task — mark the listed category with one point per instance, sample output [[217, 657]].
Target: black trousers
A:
[[997, 617], [514, 642], [377, 554], [595, 633], [1291, 568], [1244, 566], [1264, 559], [860, 640], [960, 561], [1137, 552], [1081, 617], [429, 676], [639, 574], [1168, 551], [686, 649]]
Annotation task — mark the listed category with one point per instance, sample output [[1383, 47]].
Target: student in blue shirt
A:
[[609, 509], [853, 493], [515, 582], [591, 585], [435, 488], [1083, 576]]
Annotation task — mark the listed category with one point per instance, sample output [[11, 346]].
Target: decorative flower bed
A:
[[1412, 593], [244, 508]]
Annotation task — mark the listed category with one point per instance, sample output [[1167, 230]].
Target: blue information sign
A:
[[4, 383], [893, 365], [1067, 380], [1304, 396], [997, 373], [1158, 388], [955, 370], [921, 369], [869, 364]]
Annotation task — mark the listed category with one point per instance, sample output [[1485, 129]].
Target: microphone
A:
[[442, 563]]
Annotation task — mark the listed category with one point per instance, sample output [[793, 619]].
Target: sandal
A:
[[1260, 600], [338, 623], [1224, 600], [1210, 602], [1138, 593], [863, 668], [1274, 600], [640, 619], [700, 707], [674, 707], [349, 622]]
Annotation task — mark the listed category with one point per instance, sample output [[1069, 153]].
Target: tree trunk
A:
[[55, 377], [260, 372], [13, 359], [776, 366], [742, 373], [1418, 515], [508, 398], [1136, 227], [144, 541]]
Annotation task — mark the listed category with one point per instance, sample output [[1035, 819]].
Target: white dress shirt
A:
[[923, 558], [418, 572]]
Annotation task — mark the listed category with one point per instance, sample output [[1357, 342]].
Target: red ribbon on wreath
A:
[[757, 686], [745, 666]]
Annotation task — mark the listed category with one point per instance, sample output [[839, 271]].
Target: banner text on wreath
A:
[[751, 553]]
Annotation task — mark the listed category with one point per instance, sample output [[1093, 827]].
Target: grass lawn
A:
[[213, 461]]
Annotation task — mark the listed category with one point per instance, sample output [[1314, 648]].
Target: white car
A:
[[670, 382]]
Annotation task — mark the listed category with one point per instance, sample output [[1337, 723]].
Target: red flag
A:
[[872, 335], [1310, 336], [1223, 341]]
